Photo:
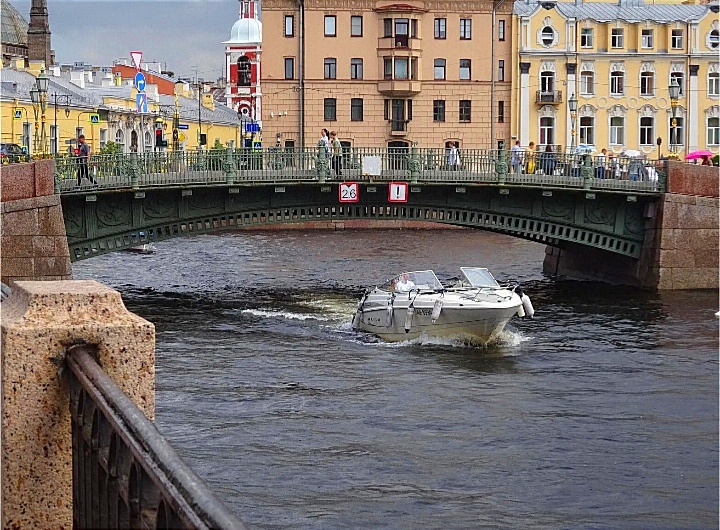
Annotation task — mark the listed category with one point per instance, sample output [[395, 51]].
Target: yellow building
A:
[[384, 73], [617, 60], [81, 99]]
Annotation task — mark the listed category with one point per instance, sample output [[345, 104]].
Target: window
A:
[[119, 137], [678, 136], [647, 83], [439, 68], [617, 83], [501, 112], [440, 24], [413, 67], [678, 77], [387, 27], [413, 28], [586, 38], [501, 70], [356, 109], [648, 40], [244, 71], [330, 68], [289, 68], [387, 68], [330, 26], [356, 68], [501, 30], [547, 81], [289, 26], [713, 131], [714, 84], [401, 68], [617, 38], [587, 83], [547, 36], [587, 130], [439, 110], [330, 109], [465, 28], [53, 139], [465, 110], [547, 130], [402, 26], [356, 26], [647, 131], [714, 39], [617, 130], [465, 69], [676, 39]]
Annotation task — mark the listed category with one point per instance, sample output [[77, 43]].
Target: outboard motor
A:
[[409, 316], [389, 313], [437, 308], [526, 303]]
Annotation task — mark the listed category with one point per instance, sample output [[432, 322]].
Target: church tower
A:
[[39, 34], [242, 65]]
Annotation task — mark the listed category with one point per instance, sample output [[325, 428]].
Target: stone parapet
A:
[[28, 180], [39, 320], [692, 179]]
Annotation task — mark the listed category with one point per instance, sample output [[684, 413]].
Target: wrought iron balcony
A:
[[548, 96]]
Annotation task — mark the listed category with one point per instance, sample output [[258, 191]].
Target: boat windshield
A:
[[424, 280], [479, 277]]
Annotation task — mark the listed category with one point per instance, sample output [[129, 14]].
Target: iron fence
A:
[[125, 474]]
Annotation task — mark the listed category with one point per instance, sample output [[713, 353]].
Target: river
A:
[[601, 413]]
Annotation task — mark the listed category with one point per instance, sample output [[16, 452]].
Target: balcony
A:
[[399, 87], [399, 42], [552, 97], [398, 127]]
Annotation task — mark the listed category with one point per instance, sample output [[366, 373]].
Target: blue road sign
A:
[[183, 126], [252, 127], [140, 81], [142, 103]]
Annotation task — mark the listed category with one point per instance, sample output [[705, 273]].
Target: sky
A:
[[186, 36]]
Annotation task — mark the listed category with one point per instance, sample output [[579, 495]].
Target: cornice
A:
[[450, 6]]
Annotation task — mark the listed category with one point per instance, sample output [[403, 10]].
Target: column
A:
[[524, 133], [570, 69], [692, 115]]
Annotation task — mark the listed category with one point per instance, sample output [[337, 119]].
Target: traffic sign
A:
[[398, 192], [94, 118], [136, 58], [181, 137], [141, 100], [183, 126], [18, 114], [252, 127], [349, 192], [140, 81]]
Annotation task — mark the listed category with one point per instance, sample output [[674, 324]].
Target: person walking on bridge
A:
[[83, 158]]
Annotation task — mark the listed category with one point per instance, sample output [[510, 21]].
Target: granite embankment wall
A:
[[33, 241]]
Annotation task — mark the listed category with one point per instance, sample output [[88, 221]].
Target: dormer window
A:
[[547, 36]]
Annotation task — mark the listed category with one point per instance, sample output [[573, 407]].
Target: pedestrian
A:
[[706, 161], [600, 162], [548, 161], [336, 150], [324, 141], [83, 158], [454, 156], [516, 155], [530, 158]]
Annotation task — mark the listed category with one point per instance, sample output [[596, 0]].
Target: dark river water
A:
[[602, 412]]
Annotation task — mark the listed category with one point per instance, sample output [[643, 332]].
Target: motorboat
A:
[[474, 306], [145, 248]]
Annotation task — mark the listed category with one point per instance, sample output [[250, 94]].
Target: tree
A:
[[110, 148]]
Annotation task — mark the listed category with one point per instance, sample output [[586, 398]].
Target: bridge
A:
[[144, 198]]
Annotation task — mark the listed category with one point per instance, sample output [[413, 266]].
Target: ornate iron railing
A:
[[418, 165], [125, 474]]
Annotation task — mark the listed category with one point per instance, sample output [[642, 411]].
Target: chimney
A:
[[107, 79], [77, 77], [152, 92], [118, 79], [17, 63], [208, 101]]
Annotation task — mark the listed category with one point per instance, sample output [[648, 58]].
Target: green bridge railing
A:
[[415, 165]]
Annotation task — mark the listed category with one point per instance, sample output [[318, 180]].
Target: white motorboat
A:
[[145, 248], [415, 303]]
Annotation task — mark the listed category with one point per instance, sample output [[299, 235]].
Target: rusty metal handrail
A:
[[125, 473]]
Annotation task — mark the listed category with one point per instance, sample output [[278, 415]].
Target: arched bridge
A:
[[137, 199]]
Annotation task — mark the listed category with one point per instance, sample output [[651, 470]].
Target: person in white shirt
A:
[[404, 284], [516, 157]]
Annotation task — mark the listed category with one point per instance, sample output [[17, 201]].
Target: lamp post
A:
[[38, 95], [176, 118], [674, 90], [64, 100], [572, 105]]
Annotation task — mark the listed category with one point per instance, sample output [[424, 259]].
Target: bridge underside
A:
[[110, 221]]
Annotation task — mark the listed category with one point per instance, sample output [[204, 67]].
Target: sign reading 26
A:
[[349, 192]]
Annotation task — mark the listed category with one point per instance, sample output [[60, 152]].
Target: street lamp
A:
[[64, 100], [38, 95], [674, 90], [572, 105]]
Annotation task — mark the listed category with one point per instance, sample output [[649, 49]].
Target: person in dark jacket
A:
[[548, 161]]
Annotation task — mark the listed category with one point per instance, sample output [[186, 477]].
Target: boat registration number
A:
[[423, 312]]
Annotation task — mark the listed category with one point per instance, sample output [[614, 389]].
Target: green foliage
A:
[[217, 145], [110, 148], [716, 160]]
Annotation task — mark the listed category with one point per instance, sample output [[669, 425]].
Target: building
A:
[[616, 60], [20, 40], [386, 74]]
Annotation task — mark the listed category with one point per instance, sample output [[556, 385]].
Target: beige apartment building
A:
[[386, 74]]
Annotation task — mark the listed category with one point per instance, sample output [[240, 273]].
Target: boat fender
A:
[[521, 310], [409, 317], [356, 319], [527, 305], [389, 314], [437, 308]]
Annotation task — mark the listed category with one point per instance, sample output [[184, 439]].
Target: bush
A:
[[716, 160], [110, 148]]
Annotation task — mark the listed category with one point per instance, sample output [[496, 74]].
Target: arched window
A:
[[148, 141], [119, 137], [243, 71]]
